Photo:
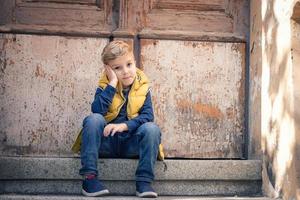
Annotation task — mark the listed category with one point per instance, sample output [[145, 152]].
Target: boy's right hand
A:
[[112, 129], [111, 75]]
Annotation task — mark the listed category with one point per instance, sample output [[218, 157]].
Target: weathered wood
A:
[[65, 16], [296, 13], [202, 124], [190, 35], [47, 85], [52, 17], [218, 16], [204, 5], [58, 17], [82, 2], [198, 96], [124, 33], [79, 4], [159, 19], [6, 10], [54, 30], [239, 10], [255, 74]]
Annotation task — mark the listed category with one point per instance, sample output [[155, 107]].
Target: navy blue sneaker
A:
[[93, 187], [144, 189]]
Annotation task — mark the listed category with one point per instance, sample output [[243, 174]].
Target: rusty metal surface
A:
[[198, 96], [47, 84]]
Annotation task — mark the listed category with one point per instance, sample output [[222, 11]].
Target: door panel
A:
[[198, 96], [90, 17], [47, 86]]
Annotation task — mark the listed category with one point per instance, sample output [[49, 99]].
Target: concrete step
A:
[[31, 175], [68, 197]]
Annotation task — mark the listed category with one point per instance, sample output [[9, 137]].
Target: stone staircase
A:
[[69, 197], [57, 178]]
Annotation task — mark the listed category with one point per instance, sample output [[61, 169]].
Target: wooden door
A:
[[194, 53]]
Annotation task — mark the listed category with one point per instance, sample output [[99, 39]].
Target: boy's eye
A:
[[116, 68], [129, 64]]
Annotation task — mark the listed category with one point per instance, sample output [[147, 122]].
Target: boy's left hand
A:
[[111, 129]]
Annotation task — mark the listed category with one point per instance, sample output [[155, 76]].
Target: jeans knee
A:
[[150, 130], [94, 119]]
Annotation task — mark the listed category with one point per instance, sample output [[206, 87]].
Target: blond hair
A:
[[115, 49]]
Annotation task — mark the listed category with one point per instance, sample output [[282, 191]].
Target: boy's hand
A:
[[111, 75], [111, 129]]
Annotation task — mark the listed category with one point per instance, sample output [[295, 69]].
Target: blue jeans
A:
[[143, 143]]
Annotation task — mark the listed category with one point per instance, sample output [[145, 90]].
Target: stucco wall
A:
[[271, 41], [296, 81]]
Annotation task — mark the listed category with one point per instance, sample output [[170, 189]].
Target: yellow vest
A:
[[136, 96], [136, 99]]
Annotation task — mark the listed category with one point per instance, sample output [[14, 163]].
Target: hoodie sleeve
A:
[[103, 99], [145, 115]]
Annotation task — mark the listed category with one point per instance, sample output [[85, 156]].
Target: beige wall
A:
[[296, 81], [271, 66]]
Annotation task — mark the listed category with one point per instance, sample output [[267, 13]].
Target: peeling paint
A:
[[46, 91], [3, 65], [40, 72], [197, 98], [200, 108]]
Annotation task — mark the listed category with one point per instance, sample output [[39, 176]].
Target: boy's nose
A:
[[125, 70]]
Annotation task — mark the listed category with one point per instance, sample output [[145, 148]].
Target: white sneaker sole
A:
[[95, 194], [147, 194]]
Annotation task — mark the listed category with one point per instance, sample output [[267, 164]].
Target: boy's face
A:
[[125, 69]]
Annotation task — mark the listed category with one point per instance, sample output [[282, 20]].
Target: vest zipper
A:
[[124, 100]]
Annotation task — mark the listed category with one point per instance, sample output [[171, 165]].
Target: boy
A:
[[121, 123]]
